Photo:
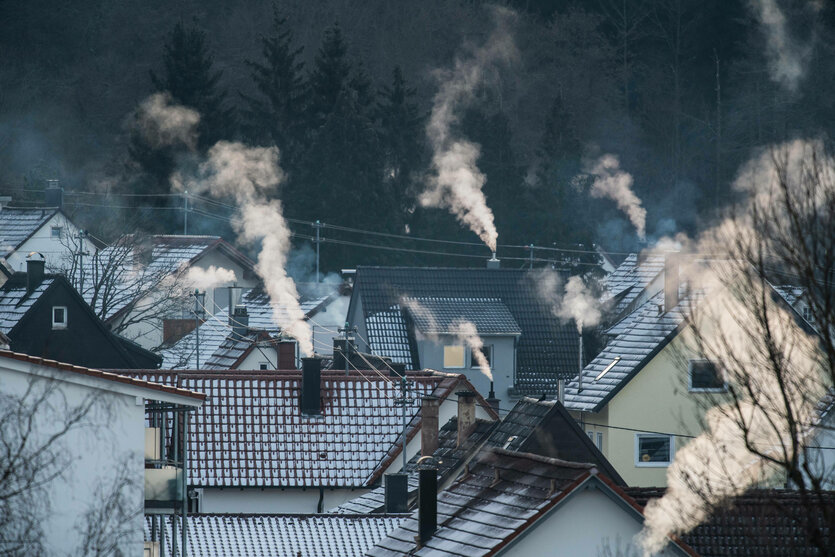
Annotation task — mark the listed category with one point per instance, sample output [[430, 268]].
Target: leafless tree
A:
[[764, 427]]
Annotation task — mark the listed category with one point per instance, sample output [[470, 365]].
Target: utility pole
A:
[[199, 299], [317, 225], [185, 212], [403, 401], [82, 234]]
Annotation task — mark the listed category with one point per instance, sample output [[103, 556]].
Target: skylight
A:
[[607, 368]]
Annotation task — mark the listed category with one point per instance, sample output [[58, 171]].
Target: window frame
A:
[[641, 464], [719, 369], [59, 230], [487, 350], [59, 325], [463, 356]]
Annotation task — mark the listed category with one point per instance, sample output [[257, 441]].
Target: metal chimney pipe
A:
[[580, 363], [427, 504]]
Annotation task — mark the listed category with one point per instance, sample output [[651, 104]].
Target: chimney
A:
[[429, 425], [398, 369], [670, 281], [492, 400], [54, 194], [493, 263], [580, 364], [35, 264], [240, 322], [341, 349], [234, 300], [427, 503], [466, 415], [311, 397], [397, 492], [561, 390]]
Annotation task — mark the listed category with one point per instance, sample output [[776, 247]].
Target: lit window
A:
[[56, 231], [488, 354], [653, 450], [706, 376], [454, 356], [59, 317]]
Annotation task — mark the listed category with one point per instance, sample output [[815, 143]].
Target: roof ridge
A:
[[547, 460]]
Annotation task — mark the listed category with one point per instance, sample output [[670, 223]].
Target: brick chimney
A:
[[466, 415], [429, 407]]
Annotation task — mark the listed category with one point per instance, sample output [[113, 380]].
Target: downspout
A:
[[320, 506]]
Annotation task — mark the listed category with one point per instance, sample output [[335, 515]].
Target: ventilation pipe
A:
[[234, 300], [580, 363], [429, 406], [492, 400], [311, 396], [397, 492], [493, 262]]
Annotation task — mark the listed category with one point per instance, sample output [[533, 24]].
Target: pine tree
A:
[[191, 80], [275, 115]]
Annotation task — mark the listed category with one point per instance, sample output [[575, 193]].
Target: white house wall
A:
[[273, 500], [58, 252], [589, 523], [260, 355], [110, 444]]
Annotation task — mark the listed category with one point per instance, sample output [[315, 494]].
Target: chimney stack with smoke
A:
[[234, 300], [671, 282], [494, 262]]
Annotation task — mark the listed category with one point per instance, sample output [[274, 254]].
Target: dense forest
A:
[[681, 91]]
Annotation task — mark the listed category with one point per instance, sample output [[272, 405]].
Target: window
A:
[[653, 450], [454, 356], [488, 354], [57, 231], [59, 317], [591, 435], [599, 441], [263, 365], [807, 313], [706, 376]]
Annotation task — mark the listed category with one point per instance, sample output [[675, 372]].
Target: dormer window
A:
[[59, 317], [57, 231]]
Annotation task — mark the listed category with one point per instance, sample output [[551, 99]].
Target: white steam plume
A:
[[466, 332], [203, 279], [163, 123], [612, 182], [787, 59], [457, 182], [717, 465], [574, 302], [248, 173]]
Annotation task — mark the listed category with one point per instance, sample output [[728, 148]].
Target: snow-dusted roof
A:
[[438, 315], [646, 330], [15, 302], [251, 432], [631, 278], [790, 293], [18, 224], [274, 535]]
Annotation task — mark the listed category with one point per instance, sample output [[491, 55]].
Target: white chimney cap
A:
[[35, 256]]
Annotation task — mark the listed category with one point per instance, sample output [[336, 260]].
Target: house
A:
[[73, 444], [759, 522], [47, 230], [258, 535], [406, 314], [638, 277], [538, 427], [642, 398], [306, 441], [138, 283], [44, 316], [516, 503]]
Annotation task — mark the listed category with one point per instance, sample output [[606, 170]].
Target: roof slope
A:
[[546, 349], [759, 522], [631, 277], [649, 330], [261, 535], [489, 315], [251, 433], [488, 506], [15, 302], [18, 224]]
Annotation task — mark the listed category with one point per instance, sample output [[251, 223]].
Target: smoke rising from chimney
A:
[[457, 182], [573, 302], [248, 174], [164, 124], [787, 58], [203, 279], [613, 183], [466, 332]]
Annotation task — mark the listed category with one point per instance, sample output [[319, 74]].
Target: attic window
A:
[[59, 317], [807, 313], [706, 376], [57, 231], [454, 356]]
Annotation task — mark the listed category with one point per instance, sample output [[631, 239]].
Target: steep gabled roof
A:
[[262, 535], [19, 224], [251, 432], [631, 277], [489, 315], [547, 348], [759, 522], [15, 301]]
